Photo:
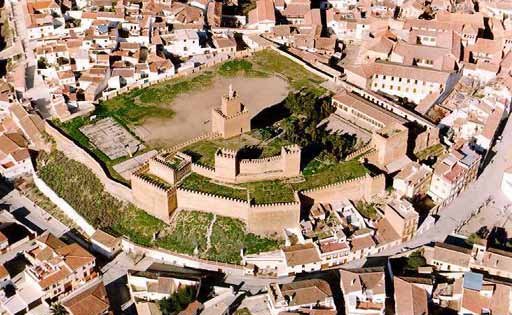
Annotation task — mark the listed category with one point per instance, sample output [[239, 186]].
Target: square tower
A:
[[232, 118]]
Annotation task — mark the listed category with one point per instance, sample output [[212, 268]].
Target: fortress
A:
[[232, 118], [156, 185]]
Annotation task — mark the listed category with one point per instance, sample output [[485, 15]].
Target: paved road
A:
[[31, 215]]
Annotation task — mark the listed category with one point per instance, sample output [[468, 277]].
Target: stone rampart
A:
[[256, 166], [229, 168], [203, 170], [265, 219], [355, 189], [75, 152], [271, 219], [228, 207]]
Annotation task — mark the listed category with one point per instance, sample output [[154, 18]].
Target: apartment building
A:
[[413, 180], [402, 217], [409, 82], [363, 113], [453, 173]]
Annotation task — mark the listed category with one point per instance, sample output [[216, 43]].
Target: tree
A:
[[58, 309], [178, 301]]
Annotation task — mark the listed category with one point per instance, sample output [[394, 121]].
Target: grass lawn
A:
[[319, 174], [229, 237], [269, 192], [259, 192], [188, 232], [270, 61], [203, 184], [138, 225]]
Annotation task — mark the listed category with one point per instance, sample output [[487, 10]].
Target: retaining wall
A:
[[63, 205]]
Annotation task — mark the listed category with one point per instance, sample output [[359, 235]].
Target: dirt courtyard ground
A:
[[193, 110]]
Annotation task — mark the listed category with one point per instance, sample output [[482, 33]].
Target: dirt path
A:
[[193, 110], [209, 233]]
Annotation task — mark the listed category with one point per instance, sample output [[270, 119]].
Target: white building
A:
[[183, 43]]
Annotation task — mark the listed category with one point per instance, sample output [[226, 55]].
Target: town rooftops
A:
[[92, 301], [306, 291], [410, 299], [355, 280], [367, 108], [264, 12], [301, 254]]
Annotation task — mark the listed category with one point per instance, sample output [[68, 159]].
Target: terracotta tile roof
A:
[[410, 299], [306, 291], [75, 256], [363, 242], [93, 301], [3, 272], [301, 254], [264, 11], [357, 279], [105, 239]]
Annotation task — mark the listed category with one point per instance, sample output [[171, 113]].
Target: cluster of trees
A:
[[307, 128], [178, 301]]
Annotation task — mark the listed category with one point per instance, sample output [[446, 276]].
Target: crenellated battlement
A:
[[231, 118], [165, 187], [337, 184], [244, 202], [276, 158], [226, 153], [291, 149]]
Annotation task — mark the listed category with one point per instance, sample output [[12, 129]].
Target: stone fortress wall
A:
[[155, 187], [158, 166], [229, 168], [156, 199], [269, 219], [363, 187]]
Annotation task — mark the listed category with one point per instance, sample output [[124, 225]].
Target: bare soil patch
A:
[[193, 110]]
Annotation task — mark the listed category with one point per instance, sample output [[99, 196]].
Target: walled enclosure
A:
[[232, 118], [229, 168]]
